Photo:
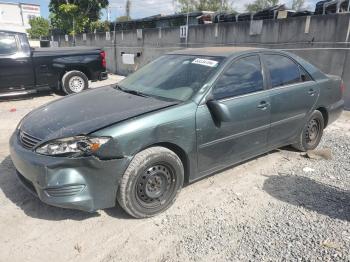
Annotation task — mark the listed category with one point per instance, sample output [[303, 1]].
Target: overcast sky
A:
[[144, 8]]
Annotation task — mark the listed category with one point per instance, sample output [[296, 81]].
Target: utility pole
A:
[[187, 19]]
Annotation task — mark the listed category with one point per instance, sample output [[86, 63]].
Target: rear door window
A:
[[8, 44], [242, 77], [283, 70]]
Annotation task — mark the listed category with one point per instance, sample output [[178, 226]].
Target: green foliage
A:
[[39, 27], [75, 16], [259, 5], [99, 26], [123, 18], [205, 5], [298, 4]]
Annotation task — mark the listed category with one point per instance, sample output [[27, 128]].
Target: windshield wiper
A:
[[133, 92]]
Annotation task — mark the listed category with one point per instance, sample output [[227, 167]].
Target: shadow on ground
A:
[[302, 191], [33, 207]]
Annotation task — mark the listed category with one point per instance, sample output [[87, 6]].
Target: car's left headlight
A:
[[73, 146]]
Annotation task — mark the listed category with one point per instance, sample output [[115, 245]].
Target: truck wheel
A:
[[312, 133], [74, 82], [151, 183]]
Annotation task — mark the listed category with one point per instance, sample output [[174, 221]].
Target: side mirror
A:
[[219, 111]]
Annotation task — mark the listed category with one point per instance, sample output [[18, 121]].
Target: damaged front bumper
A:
[[85, 183]]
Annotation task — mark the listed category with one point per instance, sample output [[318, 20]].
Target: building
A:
[[16, 16]]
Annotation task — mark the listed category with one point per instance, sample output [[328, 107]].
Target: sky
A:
[[144, 8]]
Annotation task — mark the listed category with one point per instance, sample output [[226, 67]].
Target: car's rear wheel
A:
[[312, 133], [74, 82], [151, 182]]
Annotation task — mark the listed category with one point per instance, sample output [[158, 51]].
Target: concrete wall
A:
[[324, 42]]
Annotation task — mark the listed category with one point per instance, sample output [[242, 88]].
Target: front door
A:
[[293, 94], [241, 89], [16, 69]]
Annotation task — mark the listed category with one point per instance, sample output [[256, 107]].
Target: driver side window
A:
[[8, 44], [244, 76]]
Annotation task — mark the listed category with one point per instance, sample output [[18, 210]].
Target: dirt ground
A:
[[278, 207]]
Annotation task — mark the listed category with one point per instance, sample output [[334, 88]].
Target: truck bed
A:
[[66, 50]]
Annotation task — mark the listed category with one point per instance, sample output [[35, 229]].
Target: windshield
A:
[[177, 77]]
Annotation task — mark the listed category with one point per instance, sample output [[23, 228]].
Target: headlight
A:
[[73, 146]]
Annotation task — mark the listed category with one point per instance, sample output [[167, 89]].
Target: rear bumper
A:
[[86, 184], [334, 111]]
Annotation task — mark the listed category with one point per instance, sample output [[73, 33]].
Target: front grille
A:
[[27, 140]]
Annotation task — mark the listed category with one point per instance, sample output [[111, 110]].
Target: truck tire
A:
[[311, 134], [151, 182], [74, 82]]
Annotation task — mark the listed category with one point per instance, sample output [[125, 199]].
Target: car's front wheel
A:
[[74, 82], [312, 132], [151, 182]]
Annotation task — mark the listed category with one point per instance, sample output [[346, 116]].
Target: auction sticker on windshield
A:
[[205, 62]]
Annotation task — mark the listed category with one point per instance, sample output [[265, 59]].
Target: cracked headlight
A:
[[73, 146]]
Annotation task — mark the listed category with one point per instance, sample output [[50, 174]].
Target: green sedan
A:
[[180, 118]]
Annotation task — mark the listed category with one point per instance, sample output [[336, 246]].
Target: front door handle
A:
[[263, 105]]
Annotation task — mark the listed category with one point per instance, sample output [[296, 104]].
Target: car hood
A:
[[89, 111]]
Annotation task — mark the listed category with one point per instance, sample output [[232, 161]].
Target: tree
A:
[[39, 27], [298, 4], [75, 16], [99, 26], [259, 5], [205, 5]]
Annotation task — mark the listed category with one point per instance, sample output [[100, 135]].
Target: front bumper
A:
[[86, 183]]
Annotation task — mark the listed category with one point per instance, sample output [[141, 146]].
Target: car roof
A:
[[224, 51]]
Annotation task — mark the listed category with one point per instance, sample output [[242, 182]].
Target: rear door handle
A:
[[263, 105], [311, 92]]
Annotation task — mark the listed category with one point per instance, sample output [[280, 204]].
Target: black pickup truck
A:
[[25, 70]]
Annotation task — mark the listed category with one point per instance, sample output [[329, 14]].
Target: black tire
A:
[[151, 183], [72, 77], [311, 134]]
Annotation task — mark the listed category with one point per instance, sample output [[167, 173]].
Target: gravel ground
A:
[[281, 206]]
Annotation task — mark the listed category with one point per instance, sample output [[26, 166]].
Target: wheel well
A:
[[81, 69], [324, 114], [181, 154]]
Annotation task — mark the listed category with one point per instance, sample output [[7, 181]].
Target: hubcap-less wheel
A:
[[155, 186], [312, 132], [76, 84]]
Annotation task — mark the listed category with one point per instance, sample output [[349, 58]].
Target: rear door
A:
[[16, 70], [241, 89], [293, 94]]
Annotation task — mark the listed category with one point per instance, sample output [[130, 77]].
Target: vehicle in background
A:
[[184, 116], [25, 70]]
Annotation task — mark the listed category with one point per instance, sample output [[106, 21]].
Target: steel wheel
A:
[[310, 136], [151, 182], [312, 132], [155, 186]]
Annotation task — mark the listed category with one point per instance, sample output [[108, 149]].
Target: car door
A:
[[16, 71], [293, 94], [241, 89]]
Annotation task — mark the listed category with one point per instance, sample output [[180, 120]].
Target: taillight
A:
[[103, 56], [342, 87]]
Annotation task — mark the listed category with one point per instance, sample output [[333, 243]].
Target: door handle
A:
[[43, 66], [263, 105], [311, 92]]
